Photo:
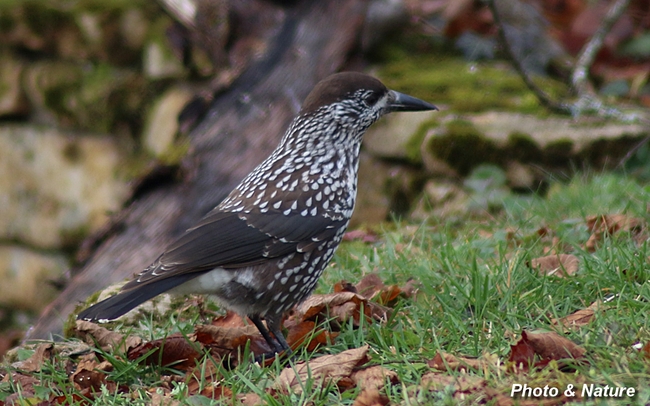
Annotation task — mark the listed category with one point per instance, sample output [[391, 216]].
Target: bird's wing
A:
[[233, 240]]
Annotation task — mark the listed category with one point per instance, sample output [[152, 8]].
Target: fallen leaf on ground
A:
[[557, 265], [230, 320], [371, 397], [373, 377], [609, 224], [26, 384], [308, 330], [546, 345], [371, 286], [581, 317], [249, 399], [158, 399], [326, 368], [90, 373], [107, 340], [175, 350], [224, 340], [204, 375], [34, 363], [443, 360], [342, 306]]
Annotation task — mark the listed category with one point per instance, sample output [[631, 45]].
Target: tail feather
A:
[[116, 306]]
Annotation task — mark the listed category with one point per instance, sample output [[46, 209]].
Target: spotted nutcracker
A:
[[262, 250]]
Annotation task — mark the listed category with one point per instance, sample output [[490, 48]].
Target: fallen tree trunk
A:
[[309, 41]]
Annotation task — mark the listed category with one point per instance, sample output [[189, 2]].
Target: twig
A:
[[544, 98], [591, 48], [586, 102]]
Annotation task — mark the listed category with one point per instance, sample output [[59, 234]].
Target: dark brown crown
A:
[[339, 86]]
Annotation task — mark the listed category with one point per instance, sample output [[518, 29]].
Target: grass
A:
[[476, 294]]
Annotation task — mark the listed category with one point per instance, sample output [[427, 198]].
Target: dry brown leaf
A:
[[522, 355], [34, 363], [216, 392], [373, 377], [224, 341], [174, 350], [203, 376], [370, 285], [250, 399], [547, 346], [107, 340], [24, 382], [581, 317], [344, 286], [443, 360], [158, 399], [330, 368], [559, 265], [371, 397], [90, 373], [550, 345], [610, 224], [342, 306], [298, 333], [230, 320]]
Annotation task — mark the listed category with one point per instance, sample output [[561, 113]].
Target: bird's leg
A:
[[276, 346], [273, 324]]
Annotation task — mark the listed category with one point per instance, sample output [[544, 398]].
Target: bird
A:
[[262, 250]]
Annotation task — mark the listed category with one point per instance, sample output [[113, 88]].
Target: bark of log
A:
[[312, 40]]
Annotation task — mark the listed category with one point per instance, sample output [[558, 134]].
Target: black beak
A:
[[404, 102]]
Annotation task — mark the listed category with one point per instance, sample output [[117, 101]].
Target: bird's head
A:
[[356, 99]]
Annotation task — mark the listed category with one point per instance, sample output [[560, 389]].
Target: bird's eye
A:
[[372, 98]]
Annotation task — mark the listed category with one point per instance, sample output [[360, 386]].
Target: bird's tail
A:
[[117, 305]]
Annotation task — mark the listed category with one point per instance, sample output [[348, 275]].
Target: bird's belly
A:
[[234, 289], [210, 282]]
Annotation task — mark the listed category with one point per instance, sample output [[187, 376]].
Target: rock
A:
[[460, 144], [384, 189], [98, 98], [372, 203], [12, 98], [159, 61], [398, 136], [162, 121], [56, 187], [25, 274], [521, 176], [441, 199]]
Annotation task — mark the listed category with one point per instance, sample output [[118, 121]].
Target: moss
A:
[[71, 237], [71, 321], [466, 87], [176, 152], [414, 145], [558, 153], [521, 147], [463, 147]]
